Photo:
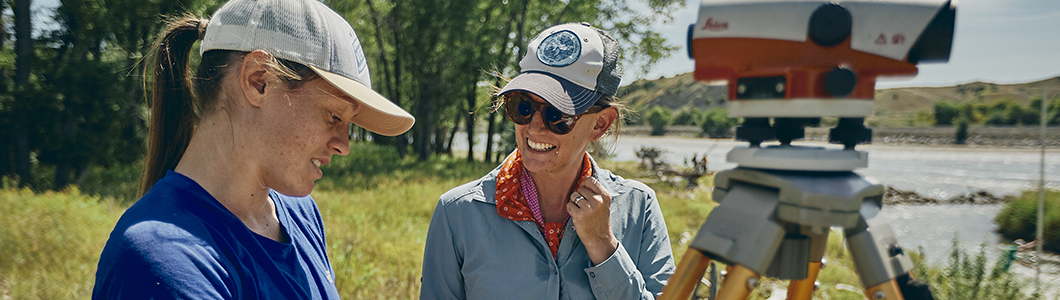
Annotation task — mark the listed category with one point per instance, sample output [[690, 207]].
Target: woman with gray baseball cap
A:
[[549, 223], [224, 211]]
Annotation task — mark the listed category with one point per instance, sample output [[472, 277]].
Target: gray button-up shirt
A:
[[474, 253]]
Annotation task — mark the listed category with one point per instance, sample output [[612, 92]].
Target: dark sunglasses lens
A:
[[552, 115], [525, 109], [518, 110], [556, 121]]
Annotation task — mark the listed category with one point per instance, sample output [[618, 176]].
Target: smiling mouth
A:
[[542, 147], [316, 162]]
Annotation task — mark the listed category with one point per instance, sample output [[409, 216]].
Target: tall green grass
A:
[[50, 242], [1019, 218], [966, 277]]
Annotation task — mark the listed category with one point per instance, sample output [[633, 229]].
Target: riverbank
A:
[[899, 197], [978, 136]]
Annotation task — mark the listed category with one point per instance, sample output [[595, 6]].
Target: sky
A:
[[998, 41]]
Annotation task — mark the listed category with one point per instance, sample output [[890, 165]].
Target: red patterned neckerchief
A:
[[517, 197]]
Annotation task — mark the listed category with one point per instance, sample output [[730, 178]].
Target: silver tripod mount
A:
[[776, 208]]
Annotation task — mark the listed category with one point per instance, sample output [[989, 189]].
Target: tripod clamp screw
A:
[[752, 283], [879, 295]]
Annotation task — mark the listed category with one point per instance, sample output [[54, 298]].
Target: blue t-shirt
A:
[[178, 242]]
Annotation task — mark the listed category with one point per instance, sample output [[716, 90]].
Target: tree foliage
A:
[[945, 112], [1004, 112], [716, 123], [81, 105], [436, 57], [658, 118]]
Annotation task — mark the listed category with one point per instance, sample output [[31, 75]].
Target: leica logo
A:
[[713, 25]]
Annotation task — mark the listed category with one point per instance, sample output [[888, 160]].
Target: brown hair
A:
[[176, 106]]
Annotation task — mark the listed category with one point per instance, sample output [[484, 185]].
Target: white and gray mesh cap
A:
[[571, 66], [309, 33]]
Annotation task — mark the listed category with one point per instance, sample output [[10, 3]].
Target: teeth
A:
[[539, 146], [316, 162]]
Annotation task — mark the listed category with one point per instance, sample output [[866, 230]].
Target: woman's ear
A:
[[604, 121], [253, 76]]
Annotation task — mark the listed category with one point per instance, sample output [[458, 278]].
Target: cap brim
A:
[[377, 114], [569, 98]]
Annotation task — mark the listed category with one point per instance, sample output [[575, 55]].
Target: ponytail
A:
[[176, 103], [172, 103]]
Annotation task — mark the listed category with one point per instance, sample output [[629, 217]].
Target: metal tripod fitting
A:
[[874, 248], [763, 211]]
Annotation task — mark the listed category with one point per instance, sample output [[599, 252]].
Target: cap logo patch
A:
[[358, 55], [560, 49]]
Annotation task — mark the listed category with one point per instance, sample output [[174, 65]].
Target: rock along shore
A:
[[978, 136], [898, 197]]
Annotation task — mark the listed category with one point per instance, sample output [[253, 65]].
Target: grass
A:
[[376, 209], [50, 242], [1019, 218]]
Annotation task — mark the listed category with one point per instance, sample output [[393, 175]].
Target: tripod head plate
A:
[[800, 108], [798, 158]]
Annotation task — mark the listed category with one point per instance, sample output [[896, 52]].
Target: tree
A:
[[436, 56], [716, 123], [658, 117], [81, 107], [23, 62], [945, 112], [961, 135], [688, 116]]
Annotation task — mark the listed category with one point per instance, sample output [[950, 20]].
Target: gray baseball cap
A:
[[309, 33], [571, 66]]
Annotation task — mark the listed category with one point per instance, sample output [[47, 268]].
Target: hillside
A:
[[673, 92], [683, 91]]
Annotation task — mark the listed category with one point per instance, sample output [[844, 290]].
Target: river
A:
[[937, 171]]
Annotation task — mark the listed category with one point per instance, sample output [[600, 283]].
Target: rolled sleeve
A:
[[617, 278]]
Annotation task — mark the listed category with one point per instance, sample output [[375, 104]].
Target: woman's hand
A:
[[592, 219]]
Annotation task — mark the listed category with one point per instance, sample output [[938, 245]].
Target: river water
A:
[[940, 172]]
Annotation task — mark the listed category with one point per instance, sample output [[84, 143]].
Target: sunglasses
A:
[[520, 109]]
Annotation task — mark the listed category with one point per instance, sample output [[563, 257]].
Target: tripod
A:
[[775, 210]]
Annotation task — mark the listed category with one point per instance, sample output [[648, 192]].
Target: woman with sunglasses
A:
[[549, 223]]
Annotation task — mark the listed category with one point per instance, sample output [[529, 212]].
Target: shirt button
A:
[[592, 274]]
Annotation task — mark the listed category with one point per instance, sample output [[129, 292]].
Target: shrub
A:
[[688, 116], [658, 118], [716, 123], [1018, 219], [961, 135], [966, 277], [945, 112]]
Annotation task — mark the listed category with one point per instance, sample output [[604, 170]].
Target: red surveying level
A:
[[787, 64]]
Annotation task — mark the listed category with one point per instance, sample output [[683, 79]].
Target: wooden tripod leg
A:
[[689, 271], [885, 291], [738, 283], [803, 289]]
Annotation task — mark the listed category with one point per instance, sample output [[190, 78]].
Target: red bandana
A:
[[513, 184]]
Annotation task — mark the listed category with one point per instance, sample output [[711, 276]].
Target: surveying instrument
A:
[[788, 64]]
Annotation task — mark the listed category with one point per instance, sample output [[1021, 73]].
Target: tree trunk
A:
[[23, 42], [490, 128], [469, 125], [452, 135], [23, 61], [402, 141], [3, 28], [520, 21]]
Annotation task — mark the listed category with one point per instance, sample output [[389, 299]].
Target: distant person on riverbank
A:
[[549, 223], [224, 211]]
